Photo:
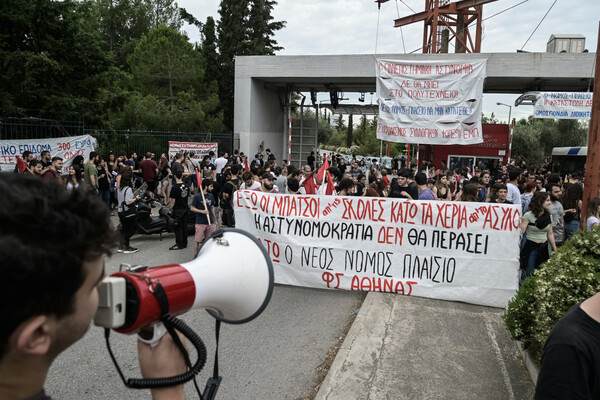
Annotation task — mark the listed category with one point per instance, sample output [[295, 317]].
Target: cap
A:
[[268, 175]]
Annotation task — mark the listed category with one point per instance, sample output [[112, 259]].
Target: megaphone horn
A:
[[231, 276]]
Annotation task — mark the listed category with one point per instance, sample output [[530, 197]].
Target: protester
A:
[[178, 209], [514, 194], [227, 196], [529, 189], [23, 162], [293, 186], [557, 213], [164, 172], [537, 223], [206, 218], [469, 192], [409, 189], [103, 182], [441, 190], [75, 178], [35, 168], [424, 192], [593, 214], [90, 173], [346, 187], [267, 184], [498, 193], [484, 179], [53, 173], [126, 200], [572, 202], [280, 180], [310, 160], [51, 269], [570, 367], [149, 171]]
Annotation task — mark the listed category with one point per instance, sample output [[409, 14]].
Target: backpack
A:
[[235, 189]]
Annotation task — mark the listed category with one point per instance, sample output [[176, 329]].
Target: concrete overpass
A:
[[263, 84]]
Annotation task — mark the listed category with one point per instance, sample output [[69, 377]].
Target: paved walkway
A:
[[402, 347]]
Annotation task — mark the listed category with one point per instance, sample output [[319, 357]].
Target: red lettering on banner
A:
[[403, 212], [381, 285], [427, 214], [328, 278], [501, 218], [363, 209], [451, 216], [390, 235]]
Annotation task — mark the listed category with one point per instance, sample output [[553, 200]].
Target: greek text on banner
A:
[[563, 105], [446, 250], [64, 147], [442, 97]]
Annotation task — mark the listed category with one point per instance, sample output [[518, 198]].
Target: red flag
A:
[[330, 187], [198, 179], [322, 170], [309, 184], [246, 168]]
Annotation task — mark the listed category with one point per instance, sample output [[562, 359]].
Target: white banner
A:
[[63, 147], [430, 102], [445, 250], [563, 105], [199, 149]]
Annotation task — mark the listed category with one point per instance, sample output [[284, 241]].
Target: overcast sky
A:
[[350, 27]]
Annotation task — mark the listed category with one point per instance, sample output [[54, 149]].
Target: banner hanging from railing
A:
[[563, 105], [430, 102], [445, 250], [64, 147]]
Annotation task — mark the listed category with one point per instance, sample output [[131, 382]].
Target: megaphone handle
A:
[[152, 334]]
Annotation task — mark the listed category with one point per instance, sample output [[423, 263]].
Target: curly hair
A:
[[536, 206], [46, 234]]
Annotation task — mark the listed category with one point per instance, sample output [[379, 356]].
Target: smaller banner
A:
[[430, 102], [196, 150], [64, 147], [563, 105]]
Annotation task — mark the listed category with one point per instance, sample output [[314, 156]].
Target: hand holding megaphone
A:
[[231, 276]]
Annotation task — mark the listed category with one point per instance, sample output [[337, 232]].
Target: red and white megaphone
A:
[[231, 276]]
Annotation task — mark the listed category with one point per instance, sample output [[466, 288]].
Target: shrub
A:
[[571, 275]]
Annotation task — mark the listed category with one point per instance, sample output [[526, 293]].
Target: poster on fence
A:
[[456, 251], [64, 147], [199, 150], [563, 105], [430, 102]]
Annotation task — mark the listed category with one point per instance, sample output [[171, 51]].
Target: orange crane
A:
[[445, 22]]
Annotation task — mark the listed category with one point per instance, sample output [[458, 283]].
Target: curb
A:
[[530, 363]]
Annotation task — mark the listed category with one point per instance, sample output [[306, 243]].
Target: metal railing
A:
[[117, 141]]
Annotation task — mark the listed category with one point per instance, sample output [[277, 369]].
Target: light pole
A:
[[510, 127]]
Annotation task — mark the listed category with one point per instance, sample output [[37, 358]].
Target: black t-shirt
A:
[[229, 189], [571, 361], [411, 189], [180, 193], [216, 192], [206, 167], [311, 161], [103, 183]]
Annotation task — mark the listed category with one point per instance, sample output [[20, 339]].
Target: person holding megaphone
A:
[[52, 246]]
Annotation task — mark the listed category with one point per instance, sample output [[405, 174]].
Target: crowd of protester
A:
[[550, 205]]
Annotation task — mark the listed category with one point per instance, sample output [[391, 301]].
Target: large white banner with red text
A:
[[430, 102], [64, 147], [445, 250]]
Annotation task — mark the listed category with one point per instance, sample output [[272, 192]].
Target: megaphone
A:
[[231, 276]]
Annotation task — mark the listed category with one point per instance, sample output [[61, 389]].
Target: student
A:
[[51, 269], [203, 209]]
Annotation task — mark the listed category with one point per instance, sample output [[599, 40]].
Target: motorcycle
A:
[[148, 224]]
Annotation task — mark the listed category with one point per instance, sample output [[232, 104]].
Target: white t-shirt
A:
[[220, 163], [254, 186], [514, 195], [590, 223]]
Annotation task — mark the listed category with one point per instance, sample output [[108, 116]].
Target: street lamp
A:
[[510, 125]]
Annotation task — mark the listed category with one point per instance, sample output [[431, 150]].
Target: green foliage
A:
[[534, 138], [571, 275], [165, 63]]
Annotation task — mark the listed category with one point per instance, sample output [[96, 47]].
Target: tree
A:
[[164, 63], [262, 28], [210, 57], [165, 12], [120, 21], [349, 132], [245, 28], [52, 58]]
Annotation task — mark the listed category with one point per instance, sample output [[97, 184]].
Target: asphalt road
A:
[[275, 356]]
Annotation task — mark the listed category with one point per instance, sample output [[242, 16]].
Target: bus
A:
[[566, 160]]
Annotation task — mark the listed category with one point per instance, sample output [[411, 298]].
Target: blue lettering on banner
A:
[[8, 150], [34, 148]]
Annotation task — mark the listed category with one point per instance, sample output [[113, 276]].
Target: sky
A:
[[317, 27]]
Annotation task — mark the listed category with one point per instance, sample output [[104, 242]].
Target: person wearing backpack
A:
[[228, 197]]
